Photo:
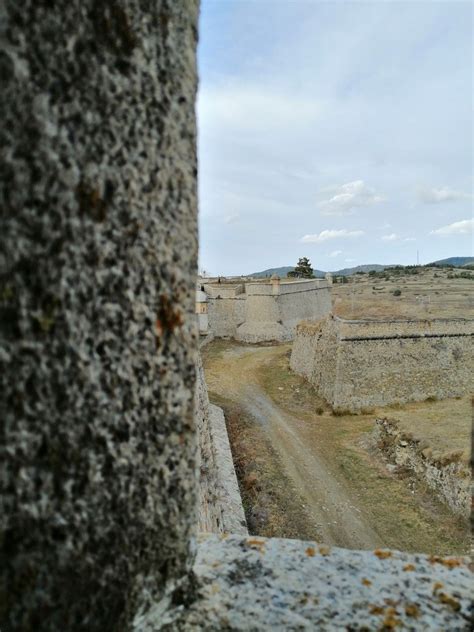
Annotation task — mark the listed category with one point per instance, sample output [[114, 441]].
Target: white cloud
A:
[[463, 227], [231, 219], [350, 260], [440, 195], [324, 235], [335, 253], [349, 196], [391, 237], [410, 239]]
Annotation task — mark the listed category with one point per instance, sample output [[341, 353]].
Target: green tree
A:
[[303, 270]]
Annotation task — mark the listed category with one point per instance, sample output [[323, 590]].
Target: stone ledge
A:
[[233, 516], [257, 584]]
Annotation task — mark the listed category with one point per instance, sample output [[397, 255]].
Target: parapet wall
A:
[[360, 364], [257, 312], [220, 504]]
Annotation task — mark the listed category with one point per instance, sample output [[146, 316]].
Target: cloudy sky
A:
[[340, 131]]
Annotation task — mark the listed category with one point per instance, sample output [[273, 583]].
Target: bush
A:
[[397, 292]]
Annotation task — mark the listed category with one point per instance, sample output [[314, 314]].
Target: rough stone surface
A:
[[220, 503], [361, 364], [255, 584], [450, 479], [97, 332]]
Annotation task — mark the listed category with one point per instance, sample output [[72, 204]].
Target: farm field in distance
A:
[[432, 293]]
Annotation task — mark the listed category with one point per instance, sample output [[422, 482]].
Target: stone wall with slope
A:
[[361, 364], [220, 504]]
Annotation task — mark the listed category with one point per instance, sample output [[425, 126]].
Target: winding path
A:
[[327, 500]]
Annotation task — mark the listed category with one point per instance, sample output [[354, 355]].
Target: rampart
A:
[[361, 364], [220, 504], [257, 312]]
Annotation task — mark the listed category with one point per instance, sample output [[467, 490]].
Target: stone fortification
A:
[[360, 364], [97, 354], [257, 312], [220, 504]]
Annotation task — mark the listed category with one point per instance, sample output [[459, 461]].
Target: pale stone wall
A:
[[257, 312], [220, 504], [360, 364], [449, 478], [225, 315]]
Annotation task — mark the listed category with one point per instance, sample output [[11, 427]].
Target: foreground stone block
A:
[[97, 273], [255, 584]]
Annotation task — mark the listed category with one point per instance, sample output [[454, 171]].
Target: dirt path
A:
[[329, 503], [309, 473], [337, 518]]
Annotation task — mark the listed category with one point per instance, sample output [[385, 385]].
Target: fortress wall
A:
[[262, 319], [311, 303], [314, 355], [225, 315], [224, 291], [273, 310], [220, 505], [360, 364]]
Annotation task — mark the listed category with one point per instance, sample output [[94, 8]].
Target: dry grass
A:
[[444, 425], [422, 296]]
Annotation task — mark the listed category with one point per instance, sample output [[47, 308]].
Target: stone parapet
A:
[[251, 584]]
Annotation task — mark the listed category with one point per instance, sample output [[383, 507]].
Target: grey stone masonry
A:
[[252, 584], [97, 276], [402, 360]]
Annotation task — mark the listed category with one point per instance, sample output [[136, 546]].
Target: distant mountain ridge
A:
[[453, 261], [283, 271]]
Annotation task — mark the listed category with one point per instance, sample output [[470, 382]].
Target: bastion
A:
[[99, 449], [364, 363], [260, 311]]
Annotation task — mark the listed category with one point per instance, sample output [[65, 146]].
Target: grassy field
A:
[[432, 293]]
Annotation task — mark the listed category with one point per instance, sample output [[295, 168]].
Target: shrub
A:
[[397, 292]]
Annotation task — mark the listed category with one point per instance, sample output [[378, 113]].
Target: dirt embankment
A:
[[304, 472]]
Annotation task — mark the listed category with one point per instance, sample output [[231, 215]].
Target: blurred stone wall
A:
[[97, 335]]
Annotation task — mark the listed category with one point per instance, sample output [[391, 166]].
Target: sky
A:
[[341, 131]]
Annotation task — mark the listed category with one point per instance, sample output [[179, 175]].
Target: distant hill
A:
[[366, 268], [282, 272], [453, 261]]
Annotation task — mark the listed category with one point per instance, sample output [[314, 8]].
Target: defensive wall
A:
[[256, 312], [98, 344], [360, 364], [220, 504]]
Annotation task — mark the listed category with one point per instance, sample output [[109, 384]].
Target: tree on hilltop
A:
[[303, 270]]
